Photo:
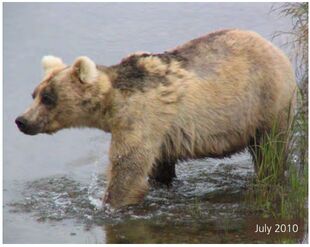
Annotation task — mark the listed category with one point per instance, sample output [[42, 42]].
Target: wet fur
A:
[[206, 98], [209, 97]]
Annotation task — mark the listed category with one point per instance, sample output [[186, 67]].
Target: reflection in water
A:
[[141, 231]]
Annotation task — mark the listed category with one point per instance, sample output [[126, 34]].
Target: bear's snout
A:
[[24, 126], [21, 123]]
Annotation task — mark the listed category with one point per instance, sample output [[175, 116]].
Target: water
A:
[[53, 184], [202, 196]]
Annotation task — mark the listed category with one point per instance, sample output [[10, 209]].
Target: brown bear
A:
[[211, 97]]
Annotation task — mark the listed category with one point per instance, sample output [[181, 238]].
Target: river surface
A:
[[53, 184]]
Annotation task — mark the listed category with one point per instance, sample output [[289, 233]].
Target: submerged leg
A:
[[163, 172]]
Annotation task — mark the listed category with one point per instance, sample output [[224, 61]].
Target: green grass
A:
[[280, 189]]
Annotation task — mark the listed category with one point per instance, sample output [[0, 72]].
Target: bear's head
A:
[[68, 96]]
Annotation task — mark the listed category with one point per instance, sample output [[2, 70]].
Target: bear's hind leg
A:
[[263, 144], [163, 172], [255, 150]]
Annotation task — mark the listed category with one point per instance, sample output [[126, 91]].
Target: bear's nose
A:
[[21, 123]]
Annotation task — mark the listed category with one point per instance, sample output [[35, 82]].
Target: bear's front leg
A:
[[129, 168]]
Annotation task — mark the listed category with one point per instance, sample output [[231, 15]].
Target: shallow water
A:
[[206, 195], [53, 184]]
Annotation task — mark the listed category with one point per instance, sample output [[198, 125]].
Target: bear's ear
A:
[[85, 69], [50, 63]]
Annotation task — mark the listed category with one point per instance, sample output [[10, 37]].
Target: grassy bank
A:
[[280, 189]]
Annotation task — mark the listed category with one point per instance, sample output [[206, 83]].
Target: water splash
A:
[[204, 191]]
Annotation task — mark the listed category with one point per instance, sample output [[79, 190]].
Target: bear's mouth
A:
[[29, 131]]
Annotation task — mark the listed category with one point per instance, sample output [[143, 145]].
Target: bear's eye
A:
[[47, 99]]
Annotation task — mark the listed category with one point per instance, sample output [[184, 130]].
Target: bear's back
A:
[[209, 55]]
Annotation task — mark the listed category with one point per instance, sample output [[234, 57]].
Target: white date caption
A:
[[276, 228]]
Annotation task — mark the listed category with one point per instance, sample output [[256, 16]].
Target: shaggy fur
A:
[[210, 97]]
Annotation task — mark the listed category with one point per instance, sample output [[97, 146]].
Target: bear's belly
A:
[[218, 146]]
